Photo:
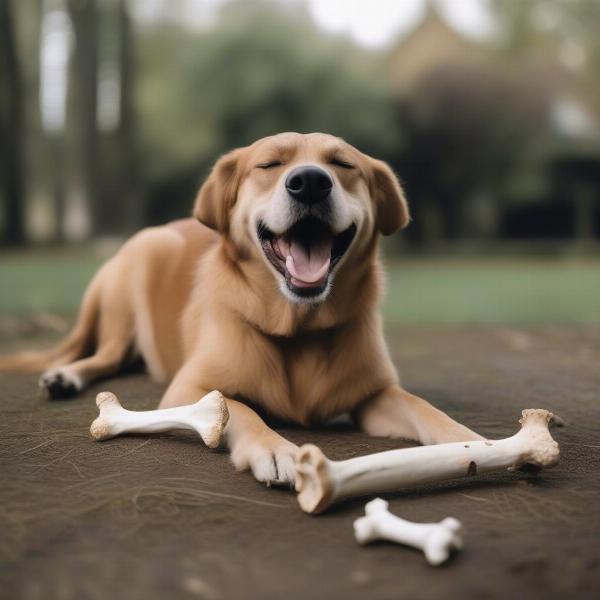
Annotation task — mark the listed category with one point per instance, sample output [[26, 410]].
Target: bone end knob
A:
[[101, 428], [216, 417], [542, 451], [312, 481]]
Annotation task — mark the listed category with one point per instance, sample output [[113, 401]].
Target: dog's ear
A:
[[218, 193], [391, 207]]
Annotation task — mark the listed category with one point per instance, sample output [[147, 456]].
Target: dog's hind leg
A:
[[68, 380], [113, 340], [76, 345]]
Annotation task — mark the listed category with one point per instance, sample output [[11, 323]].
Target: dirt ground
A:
[[164, 517]]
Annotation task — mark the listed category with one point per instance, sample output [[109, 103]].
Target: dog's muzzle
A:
[[306, 253]]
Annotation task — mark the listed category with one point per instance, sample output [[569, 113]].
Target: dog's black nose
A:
[[308, 184]]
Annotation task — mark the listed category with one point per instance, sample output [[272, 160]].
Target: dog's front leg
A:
[[253, 444], [256, 446], [396, 413]]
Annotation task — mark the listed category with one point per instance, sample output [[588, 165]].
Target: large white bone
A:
[[320, 482], [208, 417], [436, 540]]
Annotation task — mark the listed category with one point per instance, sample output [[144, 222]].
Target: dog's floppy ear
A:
[[390, 203], [218, 193]]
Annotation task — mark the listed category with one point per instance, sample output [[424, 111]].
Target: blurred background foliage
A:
[[112, 112]]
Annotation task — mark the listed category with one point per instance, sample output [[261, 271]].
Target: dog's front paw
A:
[[269, 456], [60, 383]]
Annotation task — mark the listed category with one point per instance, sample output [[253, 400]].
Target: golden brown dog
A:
[[272, 298]]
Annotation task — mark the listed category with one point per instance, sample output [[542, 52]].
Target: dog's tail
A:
[[76, 345]]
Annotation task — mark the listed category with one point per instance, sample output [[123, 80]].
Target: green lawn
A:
[[54, 281], [425, 290], [507, 291]]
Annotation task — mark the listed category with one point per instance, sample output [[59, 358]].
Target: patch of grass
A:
[[420, 291], [51, 282], [488, 290]]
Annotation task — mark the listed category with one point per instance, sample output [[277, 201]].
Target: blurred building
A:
[[541, 110], [432, 43]]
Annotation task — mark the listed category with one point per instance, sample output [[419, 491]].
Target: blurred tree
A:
[[564, 31], [11, 128], [263, 68], [85, 159], [467, 138], [128, 176], [121, 202], [28, 16], [563, 37], [269, 68], [525, 24], [468, 131], [53, 48]]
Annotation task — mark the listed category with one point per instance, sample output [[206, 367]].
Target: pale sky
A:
[[373, 23]]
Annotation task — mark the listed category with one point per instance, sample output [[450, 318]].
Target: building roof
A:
[[433, 42]]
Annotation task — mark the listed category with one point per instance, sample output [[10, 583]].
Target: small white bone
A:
[[208, 417], [436, 540], [320, 482]]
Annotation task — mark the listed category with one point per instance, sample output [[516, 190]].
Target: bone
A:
[[436, 540], [208, 417], [320, 482]]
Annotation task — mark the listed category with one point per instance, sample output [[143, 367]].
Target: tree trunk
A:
[[84, 18], [11, 129], [128, 180], [38, 181]]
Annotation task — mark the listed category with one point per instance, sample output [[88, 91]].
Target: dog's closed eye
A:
[[269, 164], [338, 162]]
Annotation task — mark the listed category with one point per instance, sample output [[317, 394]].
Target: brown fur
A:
[[198, 302]]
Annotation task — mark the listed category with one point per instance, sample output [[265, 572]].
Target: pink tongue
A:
[[309, 266]]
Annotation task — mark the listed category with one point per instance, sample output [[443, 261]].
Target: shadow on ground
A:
[[164, 517]]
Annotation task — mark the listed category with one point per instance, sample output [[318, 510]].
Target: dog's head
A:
[[302, 204]]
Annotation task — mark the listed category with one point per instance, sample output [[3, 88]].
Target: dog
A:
[[270, 295]]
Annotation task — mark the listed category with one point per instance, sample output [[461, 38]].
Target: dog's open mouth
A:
[[306, 253]]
